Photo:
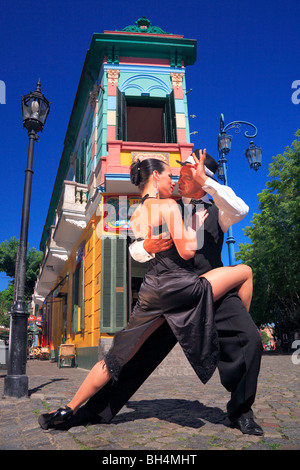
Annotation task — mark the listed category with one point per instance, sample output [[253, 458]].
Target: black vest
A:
[[209, 255]]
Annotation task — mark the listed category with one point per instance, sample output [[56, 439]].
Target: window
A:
[[146, 119], [145, 124]]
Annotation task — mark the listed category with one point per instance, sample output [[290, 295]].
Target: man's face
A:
[[187, 186]]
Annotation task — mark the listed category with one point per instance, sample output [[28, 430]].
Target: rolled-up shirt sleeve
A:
[[232, 208], [138, 252]]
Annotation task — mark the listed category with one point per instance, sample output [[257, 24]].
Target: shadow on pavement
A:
[[180, 412], [37, 389]]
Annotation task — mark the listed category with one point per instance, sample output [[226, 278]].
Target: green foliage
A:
[[264, 338], [8, 254], [273, 252], [6, 300], [34, 259]]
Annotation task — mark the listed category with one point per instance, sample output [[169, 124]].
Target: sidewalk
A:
[[167, 413]]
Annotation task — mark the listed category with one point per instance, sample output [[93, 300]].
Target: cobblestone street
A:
[[167, 413]]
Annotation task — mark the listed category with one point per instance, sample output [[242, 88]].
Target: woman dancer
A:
[[171, 290]]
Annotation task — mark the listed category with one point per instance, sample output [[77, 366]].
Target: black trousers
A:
[[240, 356]]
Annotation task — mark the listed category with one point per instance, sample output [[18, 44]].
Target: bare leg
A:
[[96, 379], [99, 374], [224, 279]]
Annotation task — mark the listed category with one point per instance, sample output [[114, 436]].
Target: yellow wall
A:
[[125, 159], [90, 335]]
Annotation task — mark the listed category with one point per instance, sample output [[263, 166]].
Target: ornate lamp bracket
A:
[[237, 126]]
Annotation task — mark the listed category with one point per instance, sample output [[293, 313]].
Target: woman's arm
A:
[[144, 250]]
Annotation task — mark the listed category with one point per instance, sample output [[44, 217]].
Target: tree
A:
[[6, 300], [8, 254], [273, 252], [264, 338]]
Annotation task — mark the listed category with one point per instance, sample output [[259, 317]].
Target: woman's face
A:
[[165, 183]]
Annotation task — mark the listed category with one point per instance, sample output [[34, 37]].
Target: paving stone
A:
[[173, 413]]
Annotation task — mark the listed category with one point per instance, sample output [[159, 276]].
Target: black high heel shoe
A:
[[50, 420]]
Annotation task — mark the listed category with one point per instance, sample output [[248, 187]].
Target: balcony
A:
[[52, 263], [70, 215], [70, 221]]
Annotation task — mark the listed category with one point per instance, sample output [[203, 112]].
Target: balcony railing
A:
[[70, 215], [73, 197]]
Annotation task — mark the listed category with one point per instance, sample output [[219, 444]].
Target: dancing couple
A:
[[175, 294]]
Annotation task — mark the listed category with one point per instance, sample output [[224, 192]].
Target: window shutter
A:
[[80, 164], [121, 116], [78, 299], [83, 161], [106, 285], [77, 169], [121, 284], [82, 296], [74, 325], [170, 119], [113, 284]]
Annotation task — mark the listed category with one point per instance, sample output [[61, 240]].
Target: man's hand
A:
[[198, 169], [156, 244]]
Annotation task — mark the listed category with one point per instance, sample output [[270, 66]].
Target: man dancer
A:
[[240, 343]]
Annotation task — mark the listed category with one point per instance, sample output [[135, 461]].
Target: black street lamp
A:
[[35, 109]]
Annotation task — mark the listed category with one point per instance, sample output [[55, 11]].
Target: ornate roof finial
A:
[[143, 25]]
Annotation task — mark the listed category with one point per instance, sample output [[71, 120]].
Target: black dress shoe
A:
[[51, 420], [247, 426]]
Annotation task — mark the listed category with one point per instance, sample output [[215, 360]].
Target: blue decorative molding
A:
[[131, 82]]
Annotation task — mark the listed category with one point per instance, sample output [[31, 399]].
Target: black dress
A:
[[171, 289]]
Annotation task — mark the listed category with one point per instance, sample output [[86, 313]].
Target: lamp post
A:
[[253, 155], [35, 109]]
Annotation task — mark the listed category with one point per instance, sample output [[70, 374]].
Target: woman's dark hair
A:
[[140, 171]]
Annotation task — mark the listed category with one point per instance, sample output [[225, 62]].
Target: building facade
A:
[[131, 100]]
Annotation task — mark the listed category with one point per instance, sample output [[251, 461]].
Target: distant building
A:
[[131, 100]]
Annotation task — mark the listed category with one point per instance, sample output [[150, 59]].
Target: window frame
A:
[[167, 103]]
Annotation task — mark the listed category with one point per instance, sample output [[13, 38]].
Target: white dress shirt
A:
[[232, 209]]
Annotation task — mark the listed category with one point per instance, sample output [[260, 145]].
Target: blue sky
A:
[[247, 60]]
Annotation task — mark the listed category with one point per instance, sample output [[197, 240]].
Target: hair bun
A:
[[135, 173]]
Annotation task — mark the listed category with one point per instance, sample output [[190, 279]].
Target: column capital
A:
[[113, 76], [177, 79]]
